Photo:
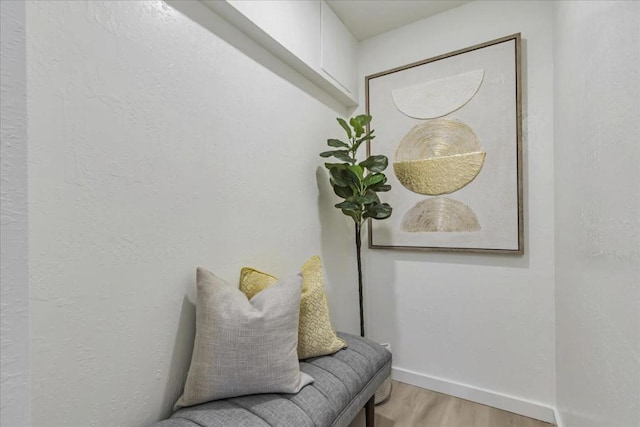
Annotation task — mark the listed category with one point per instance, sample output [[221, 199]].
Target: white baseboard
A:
[[505, 402]]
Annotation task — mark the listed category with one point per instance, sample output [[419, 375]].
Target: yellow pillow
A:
[[316, 336]]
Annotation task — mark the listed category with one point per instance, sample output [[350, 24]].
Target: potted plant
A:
[[358, 183]]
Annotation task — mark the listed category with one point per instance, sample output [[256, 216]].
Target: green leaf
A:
[[335, 165], [328, 153], [345, 126], [357, 126], [383, 215], [353, 214], [351, 177], [364, 119], [344, 156], [337, 143], [338, 154], [367, 137], [380, 188], [344, 192], [348, 205], [372, 197], [375, 163], [378, 211], [337, 177], [367, 199], [356, 169], [373, 179], [344, 177]]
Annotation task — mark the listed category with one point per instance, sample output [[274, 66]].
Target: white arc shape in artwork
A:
[[437, 98]]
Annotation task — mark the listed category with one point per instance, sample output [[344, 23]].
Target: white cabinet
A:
[[338, 49], [293, 24], [305, 34]]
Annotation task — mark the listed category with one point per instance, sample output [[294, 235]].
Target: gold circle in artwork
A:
[[438, 157], [439, 175], [440, 214]]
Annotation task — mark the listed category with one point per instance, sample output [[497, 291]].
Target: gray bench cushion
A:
[[343, 382]]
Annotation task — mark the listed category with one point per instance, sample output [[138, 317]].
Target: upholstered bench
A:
[[344, 383]]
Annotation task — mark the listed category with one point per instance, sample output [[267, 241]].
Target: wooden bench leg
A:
[[369, 411]]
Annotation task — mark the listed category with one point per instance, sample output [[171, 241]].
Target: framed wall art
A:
[[451, 127]]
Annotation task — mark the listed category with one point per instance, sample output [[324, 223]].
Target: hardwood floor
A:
[[411, 406]]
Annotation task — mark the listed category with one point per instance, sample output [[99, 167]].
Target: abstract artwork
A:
[[451, 127]]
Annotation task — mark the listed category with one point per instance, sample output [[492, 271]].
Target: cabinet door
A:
[[338, 55]]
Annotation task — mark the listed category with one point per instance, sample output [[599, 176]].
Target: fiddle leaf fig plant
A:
[[358, 183]]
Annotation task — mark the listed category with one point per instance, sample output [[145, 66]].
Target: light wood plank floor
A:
[[411, 406]]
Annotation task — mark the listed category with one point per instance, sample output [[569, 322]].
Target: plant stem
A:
[[358, 247]]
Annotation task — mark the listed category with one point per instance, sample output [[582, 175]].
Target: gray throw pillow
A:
[[241, 346]]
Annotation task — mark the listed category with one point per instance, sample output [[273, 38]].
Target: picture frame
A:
[[451, 126]]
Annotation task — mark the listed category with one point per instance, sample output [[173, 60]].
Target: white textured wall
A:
[[597, 169], [14, 295], [155, 147], [486, 321]]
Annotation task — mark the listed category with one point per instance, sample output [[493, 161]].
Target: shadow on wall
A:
[[206, 18], [337, 243], [380, 294], [526, 125], [180, 357]]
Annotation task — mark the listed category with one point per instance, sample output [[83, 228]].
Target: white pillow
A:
[[241, 346]]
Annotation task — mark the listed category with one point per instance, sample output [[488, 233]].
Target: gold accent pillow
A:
[[316, 336]]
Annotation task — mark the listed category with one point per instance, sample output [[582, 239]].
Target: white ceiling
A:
[[367, 18]]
